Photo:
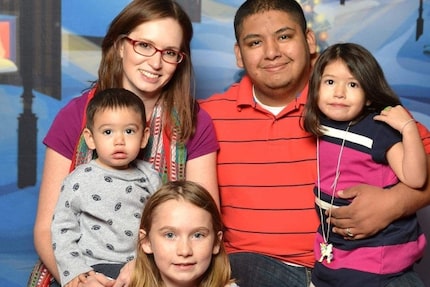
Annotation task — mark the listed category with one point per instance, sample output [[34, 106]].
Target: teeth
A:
[[149, 75]]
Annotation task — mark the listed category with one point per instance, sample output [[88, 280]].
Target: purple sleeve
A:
[[204, 140], [65, 130]]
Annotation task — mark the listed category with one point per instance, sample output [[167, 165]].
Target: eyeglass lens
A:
[[147, 49]]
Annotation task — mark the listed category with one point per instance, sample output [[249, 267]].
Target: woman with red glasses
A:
[[147, 51]]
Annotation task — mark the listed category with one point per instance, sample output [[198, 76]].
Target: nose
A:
[[340, 91], [184, 247], [119, 139], [156, 60], [272, 49]]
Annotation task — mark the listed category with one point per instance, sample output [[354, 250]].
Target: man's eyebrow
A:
[[251, 36], [279, 31], [285, 29]]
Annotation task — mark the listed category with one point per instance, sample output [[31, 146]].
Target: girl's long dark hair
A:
[[364, 67]]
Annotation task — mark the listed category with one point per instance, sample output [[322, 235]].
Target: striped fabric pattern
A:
[[372, 261], [266, 167]]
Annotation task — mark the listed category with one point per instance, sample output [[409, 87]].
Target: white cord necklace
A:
[[327, 248]]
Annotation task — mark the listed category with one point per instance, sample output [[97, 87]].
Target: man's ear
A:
[[145, 244], [237, 52], [89, 140], [312, 41]]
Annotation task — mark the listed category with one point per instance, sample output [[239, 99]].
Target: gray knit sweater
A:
[[97, 216]]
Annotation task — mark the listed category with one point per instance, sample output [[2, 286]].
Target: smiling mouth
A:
[[276, 67], [148, 74]]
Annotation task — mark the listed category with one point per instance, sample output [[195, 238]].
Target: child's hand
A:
[[397, 117], [74, 282], [125, 274], [95, 279]]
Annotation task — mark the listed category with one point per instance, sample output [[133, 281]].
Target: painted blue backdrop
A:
[[389, 31]]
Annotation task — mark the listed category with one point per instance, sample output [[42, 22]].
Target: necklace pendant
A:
[[326, 252]]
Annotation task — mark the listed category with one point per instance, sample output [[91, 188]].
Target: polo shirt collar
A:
[[245, 95]]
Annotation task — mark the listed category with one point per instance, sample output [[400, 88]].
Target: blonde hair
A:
[[146, 272]]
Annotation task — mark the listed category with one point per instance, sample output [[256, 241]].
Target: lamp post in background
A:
[[193, 9], [420, 21], [40, 69], [27, 120]]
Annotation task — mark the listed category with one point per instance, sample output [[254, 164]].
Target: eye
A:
[[254, 43], [169, 235], [107, 132], [144, 45], [284, 37], [329, 82], [171, 54], [354, 85], [198, 235], [130, 131]]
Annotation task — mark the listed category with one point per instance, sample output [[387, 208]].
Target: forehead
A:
[[337, 66], [166, 32], [178, 213], [268, 22], [116, 114]]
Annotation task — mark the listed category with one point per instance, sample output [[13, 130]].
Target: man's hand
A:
[[370, 211]]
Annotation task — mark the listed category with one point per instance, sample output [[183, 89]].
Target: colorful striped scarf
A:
[[166, 154]]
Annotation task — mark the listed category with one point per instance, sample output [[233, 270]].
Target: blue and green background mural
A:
[[49, 53]]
